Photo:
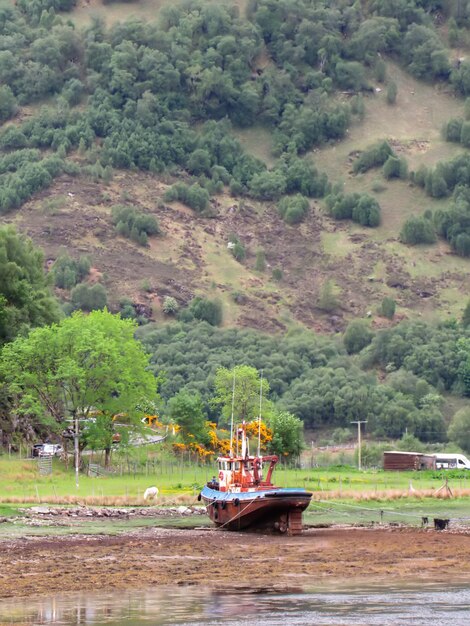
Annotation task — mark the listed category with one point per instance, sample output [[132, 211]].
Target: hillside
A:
[[191, 256]]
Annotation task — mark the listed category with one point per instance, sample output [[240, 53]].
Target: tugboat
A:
[[240, 498]]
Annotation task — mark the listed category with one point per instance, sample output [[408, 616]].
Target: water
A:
[[186, 606]]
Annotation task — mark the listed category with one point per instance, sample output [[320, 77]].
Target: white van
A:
[[451, 461]]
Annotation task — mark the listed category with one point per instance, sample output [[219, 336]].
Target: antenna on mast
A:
[[231, 420], [259, 418]]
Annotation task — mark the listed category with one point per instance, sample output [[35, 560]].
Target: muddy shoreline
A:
[[144, 558]]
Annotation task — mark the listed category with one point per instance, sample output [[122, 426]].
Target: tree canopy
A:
[[85, 364], [26, 300]]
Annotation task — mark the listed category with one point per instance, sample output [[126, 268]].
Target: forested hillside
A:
[[284, 166], [253, 154]]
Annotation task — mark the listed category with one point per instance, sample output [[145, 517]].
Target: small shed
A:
[[400, 461]]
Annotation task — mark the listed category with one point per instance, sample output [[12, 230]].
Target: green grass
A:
[[341, 495], [21, 482], [409, 512]]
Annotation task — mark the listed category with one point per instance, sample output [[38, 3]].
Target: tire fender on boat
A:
[[199, 498], [223, 504], [236, 502], [215, 504]]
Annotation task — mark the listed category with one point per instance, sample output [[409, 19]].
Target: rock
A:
[[183, 510], [40, 510]]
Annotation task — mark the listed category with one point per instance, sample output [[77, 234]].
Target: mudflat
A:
[[144, 558]]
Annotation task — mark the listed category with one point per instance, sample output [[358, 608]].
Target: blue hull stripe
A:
[[227, 496]]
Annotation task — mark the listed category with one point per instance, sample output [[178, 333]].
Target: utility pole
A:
[[76, 435], [359, 422]]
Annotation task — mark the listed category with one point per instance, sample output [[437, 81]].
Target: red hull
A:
[[280, 513]]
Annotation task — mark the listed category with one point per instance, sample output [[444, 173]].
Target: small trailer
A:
[[396, 460]]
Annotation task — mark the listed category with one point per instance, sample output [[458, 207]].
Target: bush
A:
[[133, 224], [388, 307], [293, 209], [374, 156], [195, 196], [453, 130], [328, 301], [357, 336], [88, 298], [260, 264], [170, 305], [67, 272], [238, 251], [418, 230], [392, 92], [395, 167], [361, 208], [207, 310]]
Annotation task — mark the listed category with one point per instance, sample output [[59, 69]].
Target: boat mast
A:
[[259, 418], [231, 420]]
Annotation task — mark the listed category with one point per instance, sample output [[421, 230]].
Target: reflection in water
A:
[[365, 607]]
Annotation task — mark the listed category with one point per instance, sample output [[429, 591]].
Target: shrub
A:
[[238, 251], [328, 301], [88, 298], [207, 310], [293, 209], [388, 307], [395, 167], [374, 156], [357, 336], [260, 264], [453, 130], [418, 230], [170, 305], [68, 272], [194, 196], [133, 224], [392, 92]]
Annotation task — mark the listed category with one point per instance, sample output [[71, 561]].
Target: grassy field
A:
[[341, 495], [21, 482]]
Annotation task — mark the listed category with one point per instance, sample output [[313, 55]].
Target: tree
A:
[[89, 297], [260, 264], [392, 92], [25, 297], [463, 347], [85, 363], [459, 429], [8, 105], [247, 393], [388, 307], [187, 411], [328, 301], [466, 316], [357, 336], [209, 311], [288, 440]]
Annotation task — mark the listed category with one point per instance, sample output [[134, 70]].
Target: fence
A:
[[45, 465]]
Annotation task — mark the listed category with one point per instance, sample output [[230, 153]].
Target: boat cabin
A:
[[244, 474]]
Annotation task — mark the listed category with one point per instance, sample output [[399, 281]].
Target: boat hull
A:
[[274, 509]]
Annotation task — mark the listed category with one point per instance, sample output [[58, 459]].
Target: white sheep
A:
[[151, 493]]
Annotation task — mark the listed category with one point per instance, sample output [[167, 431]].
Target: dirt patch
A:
[[36, 566]]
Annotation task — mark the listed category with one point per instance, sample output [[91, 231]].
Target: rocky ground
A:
[[33, 566]]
